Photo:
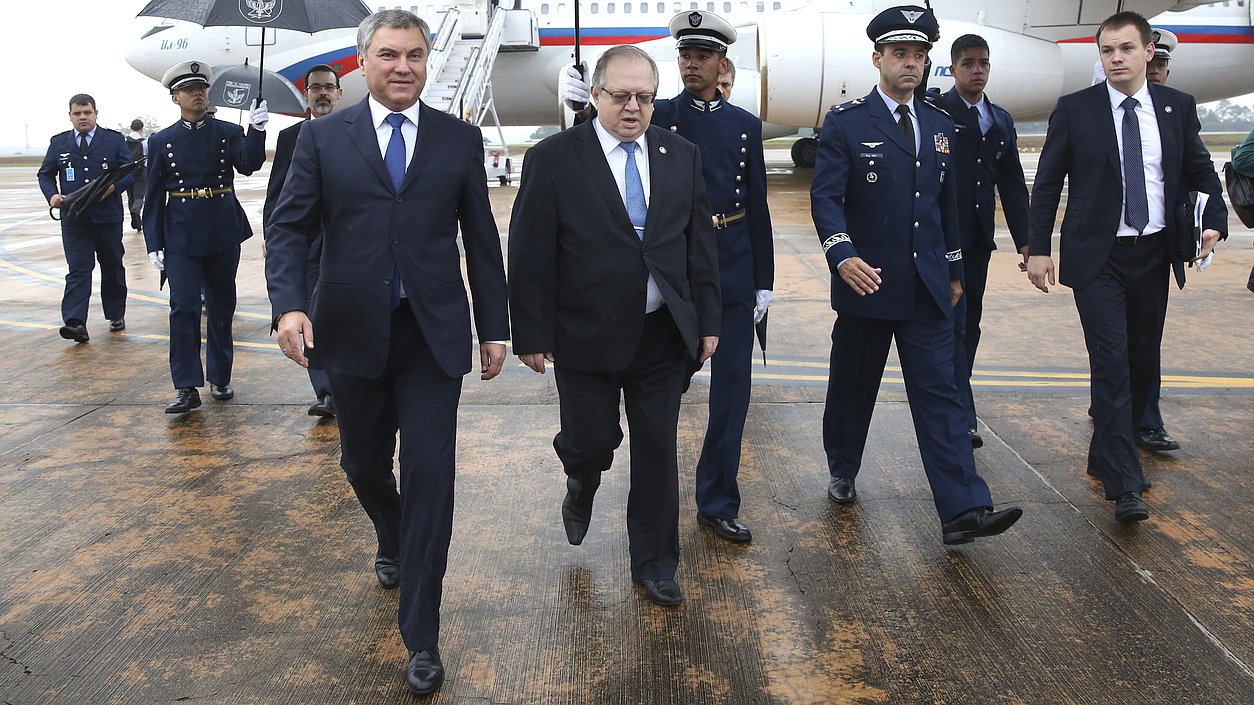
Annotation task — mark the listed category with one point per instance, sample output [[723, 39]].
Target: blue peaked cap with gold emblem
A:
[[702, 29], [904, 23]]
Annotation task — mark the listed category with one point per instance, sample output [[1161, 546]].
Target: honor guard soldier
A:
[[884, 203], [193, 226], [730, 141], [986, 154], [75, 158]]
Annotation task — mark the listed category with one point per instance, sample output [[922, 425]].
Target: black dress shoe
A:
[[842, 491], [1156, 439], [729, 529], [324, 407], [977, 522], [221, 392], [577, 510], [185, 399], [388, 571], [664, 592], [1130, 508], [75, 330], [425, 672], [976, 441], [117, 326]]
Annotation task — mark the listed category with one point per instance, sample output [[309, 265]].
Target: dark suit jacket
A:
[[281, 162], [106, 150], [987, 163], [339, 185], [578, 271], [1081, 144]]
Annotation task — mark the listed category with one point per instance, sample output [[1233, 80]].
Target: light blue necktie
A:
[[637, 210], [394, 160], [1135, 202]]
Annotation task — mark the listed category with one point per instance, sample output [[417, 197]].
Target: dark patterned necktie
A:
[[1135, 203], [907, 127]]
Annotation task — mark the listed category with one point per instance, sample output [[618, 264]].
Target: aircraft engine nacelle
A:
[[798, 51]]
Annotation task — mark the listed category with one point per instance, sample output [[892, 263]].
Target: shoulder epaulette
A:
[[855, 103], [938, 108], [59, 134], [106, 129]]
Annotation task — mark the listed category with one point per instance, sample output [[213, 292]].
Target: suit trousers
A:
[[925, 346], [967, 315], [84, 244], [188, 277], [730, 384], [590, 432], [1122, 313], [317, 378], [415, 397]]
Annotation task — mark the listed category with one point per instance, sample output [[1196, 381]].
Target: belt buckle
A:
[[720, 221]]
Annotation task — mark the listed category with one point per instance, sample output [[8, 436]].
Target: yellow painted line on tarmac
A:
[[1028, 379], [95, 289], [163, 338]]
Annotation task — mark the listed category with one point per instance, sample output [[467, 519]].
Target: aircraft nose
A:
[[145, 55]]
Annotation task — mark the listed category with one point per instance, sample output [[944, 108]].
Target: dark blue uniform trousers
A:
[[967, 315], [84, 244], [730, 384], [925, 346], [1122, 312], [415, 397], [188, 276], [590, 432]]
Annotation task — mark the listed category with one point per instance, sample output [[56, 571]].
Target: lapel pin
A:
[[662, 150]]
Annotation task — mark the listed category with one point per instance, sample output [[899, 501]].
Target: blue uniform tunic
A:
[[191, 212], [97, 234], [875, 198], [730, 140]]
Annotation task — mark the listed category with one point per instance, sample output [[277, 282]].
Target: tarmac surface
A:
[[220, 556]]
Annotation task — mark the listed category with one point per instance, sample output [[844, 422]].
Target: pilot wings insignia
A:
[[872, 145], [911, 16]]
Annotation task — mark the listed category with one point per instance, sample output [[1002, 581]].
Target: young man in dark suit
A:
[[389, 183], [614, 278], [322, 93], [1132, 153]]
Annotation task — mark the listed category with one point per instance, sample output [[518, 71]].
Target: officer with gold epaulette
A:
[[74, 159], [884, 203], [730, 141], [194, 224]]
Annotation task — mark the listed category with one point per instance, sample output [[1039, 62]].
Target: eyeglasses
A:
[[322, 88], [622, 97]]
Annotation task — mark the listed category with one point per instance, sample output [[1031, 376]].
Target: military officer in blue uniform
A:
[[730, 140], [985, 152], [884, 202], [74, 159], [193, 226]]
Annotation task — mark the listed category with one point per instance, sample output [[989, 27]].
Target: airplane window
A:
[[776, 6], [627, 8], [595, 8], [609, 7], [544, 8], [661, 7], [761, 7], [727, 7], [694, 6]]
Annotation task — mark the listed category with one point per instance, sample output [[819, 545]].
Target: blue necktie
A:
[[394, 160], [1135, 203], [637, 211]]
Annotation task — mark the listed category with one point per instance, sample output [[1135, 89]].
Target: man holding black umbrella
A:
[[76, 158], [193, 226]]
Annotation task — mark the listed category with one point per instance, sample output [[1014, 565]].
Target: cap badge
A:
[[195, 67], [694, 19], [1156, 36], [911, 15]]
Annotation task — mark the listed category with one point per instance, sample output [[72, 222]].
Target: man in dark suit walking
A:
[[1132, 152], [884, 204], [323, 93], [388, 182], [986, 157], [75, 158], [615, 279]]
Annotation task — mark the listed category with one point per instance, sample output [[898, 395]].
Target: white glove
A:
[[765, 297], [258, 115], [573, 87], [158, 259], [1202, 264]]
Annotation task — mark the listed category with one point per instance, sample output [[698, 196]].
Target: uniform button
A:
[[737, 192], [396, 241], [180, 180], [918, 164], [977, 206], [916, 194], [177, 174], [170, 155], [743, 150], [169, 146], [977, 183], [387, 281], [743, 137], [742, 165], [916, 224], [739, 177], [674, 128], [737, 205], [871, 163], [222, 161], [916, 254], [977, 161]]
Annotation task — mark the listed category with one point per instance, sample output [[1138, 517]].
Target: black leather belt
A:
[[1138, 239], [200, 193]]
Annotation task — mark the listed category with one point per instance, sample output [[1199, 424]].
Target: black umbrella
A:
[[300, 15], [760, 329], [235, 86], [77, 202]]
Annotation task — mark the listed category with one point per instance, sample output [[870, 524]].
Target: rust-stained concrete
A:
[[220, 557]]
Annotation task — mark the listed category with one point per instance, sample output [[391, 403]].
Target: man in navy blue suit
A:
[[388, 183], [884, 204], [1132, 153], [986, 159], [75, 158]]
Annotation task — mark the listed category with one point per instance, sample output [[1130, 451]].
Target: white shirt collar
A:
[[379, 113], [1117, 97], [892, 104], [610, 142]]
